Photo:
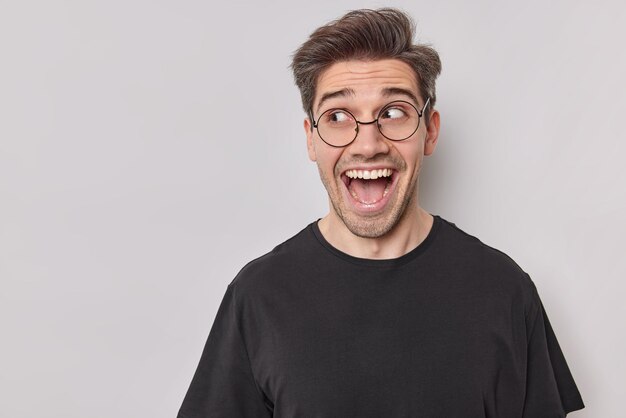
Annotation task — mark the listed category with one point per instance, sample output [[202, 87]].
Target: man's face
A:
[[370, 207]]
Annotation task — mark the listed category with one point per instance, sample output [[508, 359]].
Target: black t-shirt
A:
[[453, 328]]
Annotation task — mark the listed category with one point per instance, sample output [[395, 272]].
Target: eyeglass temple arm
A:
[[424, 108]]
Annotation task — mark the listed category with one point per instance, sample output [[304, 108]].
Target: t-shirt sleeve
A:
[[223, 385], [551, 391]]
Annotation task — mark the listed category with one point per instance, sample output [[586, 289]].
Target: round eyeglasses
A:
[[396, 121]]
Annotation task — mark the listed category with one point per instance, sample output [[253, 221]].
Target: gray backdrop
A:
[[149, 149]]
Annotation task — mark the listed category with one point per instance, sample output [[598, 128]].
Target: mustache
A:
[[387, 161]]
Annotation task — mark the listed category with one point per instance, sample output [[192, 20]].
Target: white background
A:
[[149, 149]]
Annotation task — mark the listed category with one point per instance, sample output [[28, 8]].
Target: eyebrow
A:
[[333, 94], [394, 91], [386, 92]]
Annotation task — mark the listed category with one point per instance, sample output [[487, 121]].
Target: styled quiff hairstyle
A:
[[364, 35]]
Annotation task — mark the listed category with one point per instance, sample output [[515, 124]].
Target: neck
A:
[[406, 235]]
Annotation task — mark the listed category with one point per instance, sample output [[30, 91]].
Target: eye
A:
[[337, 117], [393, 112]]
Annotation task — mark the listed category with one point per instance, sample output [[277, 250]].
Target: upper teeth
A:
[[368, 174]]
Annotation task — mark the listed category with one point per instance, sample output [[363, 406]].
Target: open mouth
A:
[[369, 187]]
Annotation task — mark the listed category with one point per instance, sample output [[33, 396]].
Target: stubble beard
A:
[[378, 225]]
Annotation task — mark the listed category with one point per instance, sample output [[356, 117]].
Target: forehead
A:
[[367, 79]]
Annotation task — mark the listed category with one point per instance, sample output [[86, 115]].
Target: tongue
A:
[[368, 191]]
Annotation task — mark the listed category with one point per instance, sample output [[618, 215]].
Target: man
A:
[[379, 309]]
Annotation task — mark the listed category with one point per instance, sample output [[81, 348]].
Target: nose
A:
[[369, 142]]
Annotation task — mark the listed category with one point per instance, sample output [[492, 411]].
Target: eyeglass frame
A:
[[420, 113]]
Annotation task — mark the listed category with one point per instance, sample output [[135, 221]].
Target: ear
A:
[[309, 139], [432, 133]]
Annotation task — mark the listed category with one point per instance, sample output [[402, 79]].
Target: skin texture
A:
[[401, 224]]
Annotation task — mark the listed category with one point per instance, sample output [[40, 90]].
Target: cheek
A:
[[327, 161], [411, 153]]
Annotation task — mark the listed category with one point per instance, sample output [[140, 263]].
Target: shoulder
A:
[[484, 265], [283, 261], [464, 249]]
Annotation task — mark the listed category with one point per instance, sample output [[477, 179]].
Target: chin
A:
[[370, 227], [379, 224]]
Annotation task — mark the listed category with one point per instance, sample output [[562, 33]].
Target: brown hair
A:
[[364, 35]]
